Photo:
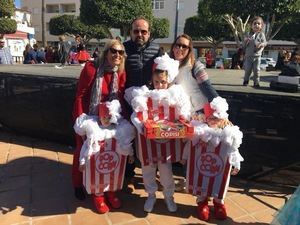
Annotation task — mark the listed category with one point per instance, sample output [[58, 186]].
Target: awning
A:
[[17, 35]]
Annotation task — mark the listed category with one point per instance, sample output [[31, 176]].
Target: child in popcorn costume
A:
[[108, 142], [210, 157], [158, 105]]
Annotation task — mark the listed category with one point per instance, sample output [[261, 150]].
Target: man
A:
[[140, 56], [140, 53], [5, 55]]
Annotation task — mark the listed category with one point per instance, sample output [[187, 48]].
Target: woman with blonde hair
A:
[[100, 81]]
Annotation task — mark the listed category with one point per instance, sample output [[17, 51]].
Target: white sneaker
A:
[[59, 67], [171, 205], [149, 204]]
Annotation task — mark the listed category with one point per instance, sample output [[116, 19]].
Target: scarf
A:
[[97, 87]]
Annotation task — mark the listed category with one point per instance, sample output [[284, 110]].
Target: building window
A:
[[68, 8], [52, 8], [158, 4]]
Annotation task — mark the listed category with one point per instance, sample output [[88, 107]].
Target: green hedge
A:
[[7, 26]]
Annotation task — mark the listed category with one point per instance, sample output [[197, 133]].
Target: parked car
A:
[[265, 62]]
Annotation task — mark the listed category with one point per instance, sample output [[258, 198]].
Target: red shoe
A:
[[203, 210], [99, 202], [220, 211], [113, 200]]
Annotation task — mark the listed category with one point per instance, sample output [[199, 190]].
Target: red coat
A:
[[85, 85], [82, 103]]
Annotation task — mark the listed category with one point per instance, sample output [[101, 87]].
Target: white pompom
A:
[[220, 107]]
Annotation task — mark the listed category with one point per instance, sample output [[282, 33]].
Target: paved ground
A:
[[35, 189]]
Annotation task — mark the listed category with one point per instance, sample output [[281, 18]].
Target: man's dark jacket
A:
[[139, 62]]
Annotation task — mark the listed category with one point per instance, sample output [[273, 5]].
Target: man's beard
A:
[[139, 42]]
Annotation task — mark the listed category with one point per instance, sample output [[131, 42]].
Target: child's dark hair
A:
[[156, 72]]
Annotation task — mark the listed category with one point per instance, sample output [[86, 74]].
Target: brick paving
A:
[[35, 189]]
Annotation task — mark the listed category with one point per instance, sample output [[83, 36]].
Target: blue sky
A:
[[17, 3]]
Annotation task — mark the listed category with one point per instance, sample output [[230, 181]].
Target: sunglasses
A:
[[143, 32], [115, 51], [183, 46]]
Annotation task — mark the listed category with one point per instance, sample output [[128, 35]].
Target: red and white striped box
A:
[[105, 170], [208, 170], [153, 150]]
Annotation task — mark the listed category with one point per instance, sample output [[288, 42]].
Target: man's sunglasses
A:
[[143, 32], [183, 46], [115, 51]]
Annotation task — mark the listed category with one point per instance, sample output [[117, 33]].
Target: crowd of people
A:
[[64, 53]]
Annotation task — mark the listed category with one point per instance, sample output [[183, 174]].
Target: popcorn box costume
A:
[[158, 105], [105, 150], [208, 170], [104, 171], [160, 108], [211, 154]]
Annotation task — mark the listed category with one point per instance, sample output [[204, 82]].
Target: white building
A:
[[24, 34], [52, 8], [168, 8]]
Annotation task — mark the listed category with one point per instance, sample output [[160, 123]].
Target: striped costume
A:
[[104, 171], [208, 170]]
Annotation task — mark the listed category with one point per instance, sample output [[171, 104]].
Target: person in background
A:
[[29, 55], [73, 59], [49, 55], [254, 44], [140, 55], [237, 59], [287, 57], [41, 55], [100, 81], [5, 55], [82, 56], [280, 59], [209, 59], [296, 51], [95, 53], [63, 51], [78, 42]]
